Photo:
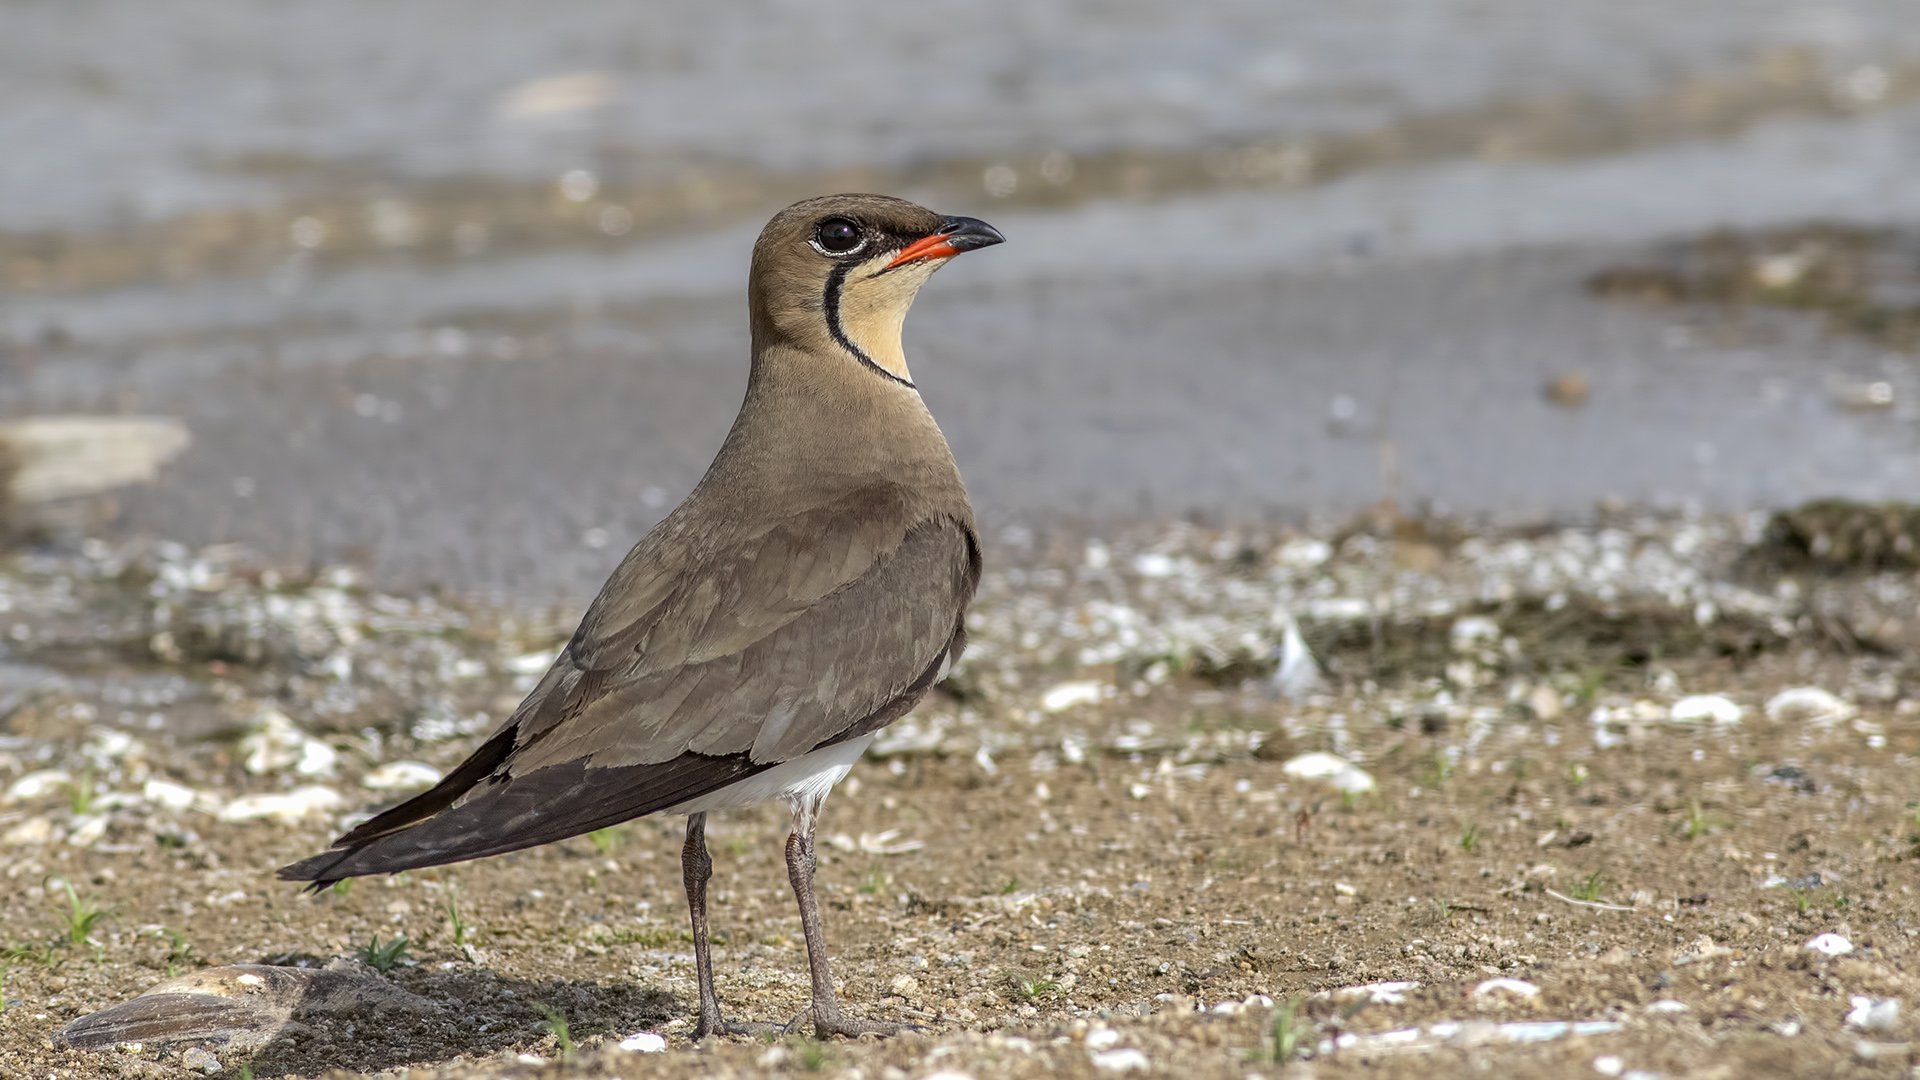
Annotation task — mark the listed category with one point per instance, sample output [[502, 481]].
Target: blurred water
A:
[[510, 413], [124, 110]]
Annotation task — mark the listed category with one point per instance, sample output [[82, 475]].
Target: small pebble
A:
[[1569, 391], [199, 1060]]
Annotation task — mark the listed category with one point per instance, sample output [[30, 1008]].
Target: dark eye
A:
[[837, 236]]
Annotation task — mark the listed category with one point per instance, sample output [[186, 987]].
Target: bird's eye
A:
[[838, 236]]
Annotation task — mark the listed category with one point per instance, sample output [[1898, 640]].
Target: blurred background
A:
[[454, 290]]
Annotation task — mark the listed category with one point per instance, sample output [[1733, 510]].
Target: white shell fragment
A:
[[1303, 554], [1874, 1014], [168, 796], [1470, 630], [1807, 704], [1705, 708], [643, 1042], [533, 663], [1668, 1005], [1516, 987], [1466, 1033], [883, 843], [34, 830], [1380, 993], [37, 784], [1298, 673], [87, 830], [400, 776], [1125, 1059], [274, 744], [1066, 695], [1339, 773], [1831, 945], [289, 806], [1103, 1038]]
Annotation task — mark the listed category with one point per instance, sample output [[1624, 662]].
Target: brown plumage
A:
[[808, 593]]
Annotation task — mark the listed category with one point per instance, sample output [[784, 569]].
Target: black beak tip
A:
[[967, 234]]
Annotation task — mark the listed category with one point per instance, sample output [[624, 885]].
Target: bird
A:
[[810, 590]]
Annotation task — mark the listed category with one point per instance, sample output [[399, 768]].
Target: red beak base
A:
[[957, 234], [931, 247]]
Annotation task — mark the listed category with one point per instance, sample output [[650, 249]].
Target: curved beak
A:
[[957, 234]]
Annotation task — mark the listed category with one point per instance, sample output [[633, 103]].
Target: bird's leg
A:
[[696, 866], [825, 1010]]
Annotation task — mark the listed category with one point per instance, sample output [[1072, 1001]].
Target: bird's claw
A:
[[827, 1025], [750, 1028]]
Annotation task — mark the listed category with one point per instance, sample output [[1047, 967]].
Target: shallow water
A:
[[1263, 258]]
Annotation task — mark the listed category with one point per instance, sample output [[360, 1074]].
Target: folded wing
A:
[[706, 659]]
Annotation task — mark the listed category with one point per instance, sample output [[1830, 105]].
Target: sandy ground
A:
[[1091, 854]]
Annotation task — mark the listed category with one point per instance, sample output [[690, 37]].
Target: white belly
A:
[[802, 782]]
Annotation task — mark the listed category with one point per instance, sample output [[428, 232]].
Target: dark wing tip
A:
[[314, 870]]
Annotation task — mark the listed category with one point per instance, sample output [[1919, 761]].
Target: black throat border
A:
[[836, 280]]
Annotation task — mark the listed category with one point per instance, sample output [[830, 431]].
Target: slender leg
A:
[[696, 867], [825, 1010]]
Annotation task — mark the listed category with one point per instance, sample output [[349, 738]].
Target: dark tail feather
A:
[[478, 766], [522, 812]]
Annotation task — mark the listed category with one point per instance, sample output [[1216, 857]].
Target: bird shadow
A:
[[477, 1014]]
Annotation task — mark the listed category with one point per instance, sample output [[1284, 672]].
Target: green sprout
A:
[[81, 916], [1589, 889], [462, 933], [1470, 839], [556, 1022], [179, 951], [81, 794], [382, 956], [810, 1055], [1286, 1032], [1031, 988], [1697, 824], [41, 954], [605, 840]]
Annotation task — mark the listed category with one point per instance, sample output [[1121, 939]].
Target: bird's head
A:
[[834, 276]]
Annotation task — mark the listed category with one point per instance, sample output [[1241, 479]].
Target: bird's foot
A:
[[716, 1026], [827, 1024]]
